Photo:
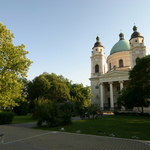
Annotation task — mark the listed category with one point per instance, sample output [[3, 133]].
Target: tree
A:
[[81, 96], [49, 86], [94, 109], [53, 113], [13, 66], [38, 87], [137, 93]]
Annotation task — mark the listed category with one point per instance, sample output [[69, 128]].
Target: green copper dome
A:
[[121, 45]]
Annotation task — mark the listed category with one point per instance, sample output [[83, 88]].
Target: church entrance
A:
[[108, 103]]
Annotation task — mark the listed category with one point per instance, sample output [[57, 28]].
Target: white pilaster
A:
[[101, 94], [111, 96], [121, 85]]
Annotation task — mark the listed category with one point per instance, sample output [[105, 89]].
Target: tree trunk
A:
[[142, 110]]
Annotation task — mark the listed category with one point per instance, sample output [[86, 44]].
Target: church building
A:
[[110, 74]]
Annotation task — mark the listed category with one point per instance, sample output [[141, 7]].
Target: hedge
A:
[[6, 117]]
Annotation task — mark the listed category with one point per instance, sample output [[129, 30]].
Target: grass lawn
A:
[[23, 119], [120, 126]]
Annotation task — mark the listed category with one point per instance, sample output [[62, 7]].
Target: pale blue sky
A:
[[60, 34]]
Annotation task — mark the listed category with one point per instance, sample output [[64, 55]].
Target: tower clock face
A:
[[96, 59], [137, 52]]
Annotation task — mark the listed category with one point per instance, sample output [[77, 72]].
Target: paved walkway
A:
[[34, 124], [21, 138]]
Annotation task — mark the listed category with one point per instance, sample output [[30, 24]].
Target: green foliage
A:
[[13, 65], [22, 109], [49, 86], [94, 109], [127, 98], [66, 110], [80, 95], [52, 113], [57, 88], [137, 94], [38, 87], [6, 117]]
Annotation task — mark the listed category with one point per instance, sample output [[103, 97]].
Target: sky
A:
[[60, 34]]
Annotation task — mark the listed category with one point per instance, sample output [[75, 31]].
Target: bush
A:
[[52, 113], [66, 112], [22, 109], [6, 117], [94, 110]]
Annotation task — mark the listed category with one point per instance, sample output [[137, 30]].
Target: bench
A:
[[2, 137]]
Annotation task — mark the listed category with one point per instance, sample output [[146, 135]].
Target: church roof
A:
[[98, 43], [135, 33], [121, 45]]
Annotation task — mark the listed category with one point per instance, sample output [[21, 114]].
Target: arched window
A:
[[137, 60], [96, 68], [120, 63], [109, 66]]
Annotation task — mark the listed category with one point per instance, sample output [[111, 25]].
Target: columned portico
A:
[[110, 75], [111, 96], [101, 93]]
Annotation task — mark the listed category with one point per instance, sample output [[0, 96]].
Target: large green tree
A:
[[38, 87], [57, 88], [13, 65], [137, 94], [80, 95], [50, 86]]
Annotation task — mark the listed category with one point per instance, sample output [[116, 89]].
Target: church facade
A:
[[110, 74]]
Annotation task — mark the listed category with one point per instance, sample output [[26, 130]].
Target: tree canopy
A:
[[80, 94], [137, 94], [57, 88], [13, 65], [50, 86]]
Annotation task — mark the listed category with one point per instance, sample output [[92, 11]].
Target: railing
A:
[[124, 68]]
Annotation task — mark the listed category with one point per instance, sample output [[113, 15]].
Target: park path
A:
[[23, 137], [20, 138]]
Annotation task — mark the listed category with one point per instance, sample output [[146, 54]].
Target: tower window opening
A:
[[137, 60], [120, 63], [96, 87], [135, 40], [96, 68], [110, 66]]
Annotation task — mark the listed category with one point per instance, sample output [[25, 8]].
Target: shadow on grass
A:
[[116, 126]]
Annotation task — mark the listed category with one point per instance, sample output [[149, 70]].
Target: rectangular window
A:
[[118, 88], [96, 87]]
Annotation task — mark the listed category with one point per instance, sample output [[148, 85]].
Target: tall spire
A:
[[121, 35], [135, 28], [97, 38]]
